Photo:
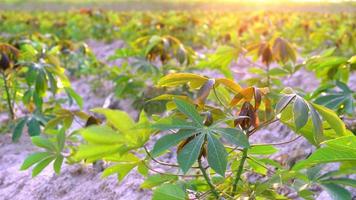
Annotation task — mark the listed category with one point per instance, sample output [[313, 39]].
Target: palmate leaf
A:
[[173, 123], [262, 150], [156, 180], [34, 158], [170, 140], [190, 153], [222, 59], [121, 169], [336, 150], [117, 118], [102, 135], [234, 136], [189, 110], [41, 165], [217, 155], [123, 165], [169, 192], [96, 151], [42, 142], [325, 124]]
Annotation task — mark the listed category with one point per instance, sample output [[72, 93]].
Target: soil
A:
[[83, 182]]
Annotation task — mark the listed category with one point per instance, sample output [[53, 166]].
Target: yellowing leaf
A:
[[117, 118], [176, 79], [231, 85]]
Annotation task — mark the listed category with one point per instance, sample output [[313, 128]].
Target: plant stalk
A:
[[268, 77], [8, 97], [239, 171], [207, 179]]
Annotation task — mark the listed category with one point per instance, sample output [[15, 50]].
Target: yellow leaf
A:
[[176, 79]]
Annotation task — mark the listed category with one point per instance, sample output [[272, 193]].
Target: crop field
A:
[[175, 100]]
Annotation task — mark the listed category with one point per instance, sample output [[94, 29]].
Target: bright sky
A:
[[286, 1]]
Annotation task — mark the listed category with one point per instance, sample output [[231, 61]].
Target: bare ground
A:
[[83, 182]]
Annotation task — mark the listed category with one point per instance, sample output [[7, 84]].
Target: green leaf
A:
[[96, 151], [337, 192], [102, 135], [41, 83], [34, 158], [18, 129], [58, 164], [332, 101], [122, 169], [342, 181], [61, 137], [169, 192], [117, 118], [142, 169], [284, 101], [317, 125], [217, 155], [234, 136], [33, 127], [314, 172], [331, 117], [346, 142], [262, 150], [222, 59], [190, 153], [300, 111], [41, 165], [277, 72], [125, 163], [172, 123], [189, 110], [336, 150], [170, 140], [156, 180], [256, 167], [78, 99], [43, 142]]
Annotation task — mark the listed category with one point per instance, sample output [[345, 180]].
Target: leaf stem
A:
[[8, 97], [239, 171], [207, 179], [268, 77]]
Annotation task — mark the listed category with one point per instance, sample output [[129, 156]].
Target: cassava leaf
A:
[[189, 154]]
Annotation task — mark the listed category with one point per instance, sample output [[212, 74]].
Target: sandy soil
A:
[[83, 182]]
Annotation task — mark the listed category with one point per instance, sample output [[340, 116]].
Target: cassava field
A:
[[175, 100]]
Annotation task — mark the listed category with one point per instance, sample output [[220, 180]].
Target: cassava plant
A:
[[30, 69], [211, 129]]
